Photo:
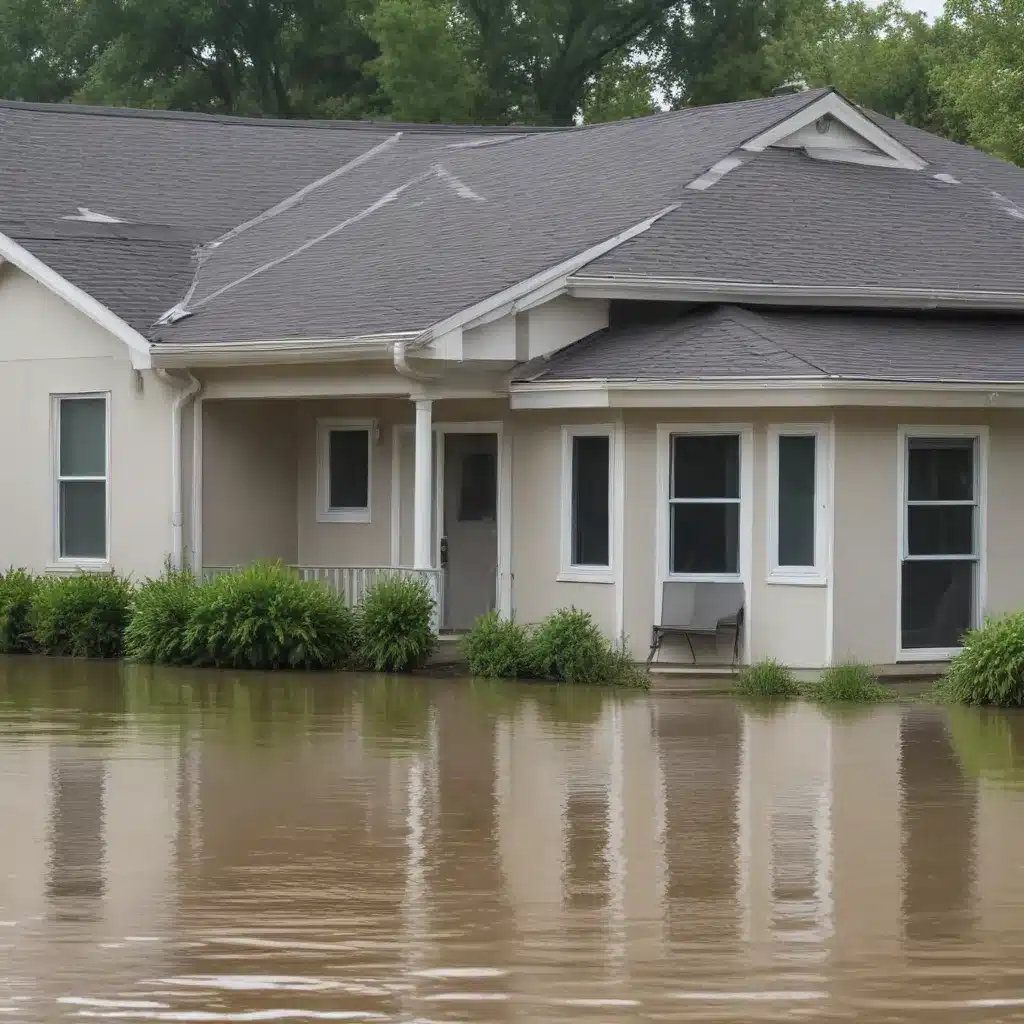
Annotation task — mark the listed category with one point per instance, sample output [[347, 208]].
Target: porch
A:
[[350, 491]]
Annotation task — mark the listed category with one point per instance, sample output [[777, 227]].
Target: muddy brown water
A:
[[187, 846]]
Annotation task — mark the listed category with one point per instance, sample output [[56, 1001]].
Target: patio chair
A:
[[699, 609]]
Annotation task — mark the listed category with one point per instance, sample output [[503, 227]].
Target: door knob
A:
[[444, 552]]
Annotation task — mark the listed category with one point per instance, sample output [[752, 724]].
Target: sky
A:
[[932, 8]]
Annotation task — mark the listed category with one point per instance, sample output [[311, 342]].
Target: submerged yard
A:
[[202, 845]]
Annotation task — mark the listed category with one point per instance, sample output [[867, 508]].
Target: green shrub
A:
[[497, 648], [850, 682], [990, 667], [395, 630], [267, 618], [568, 647], [158, 631], [84, 615], [767, 679], [17, 588]]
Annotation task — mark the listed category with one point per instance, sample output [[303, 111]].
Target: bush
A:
[[497, 648], [767, 679], [84, 615], [158, 631], [395, 632], [267, 618], [990, 667], [848, 683], [568, 647], [17, 588]]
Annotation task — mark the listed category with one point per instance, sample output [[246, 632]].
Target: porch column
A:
[[422, 490]]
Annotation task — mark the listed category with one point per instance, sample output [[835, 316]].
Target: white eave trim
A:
[[138, 346], [745, 392], [842, 110], [285, 350], [692, 289], [535, 290]]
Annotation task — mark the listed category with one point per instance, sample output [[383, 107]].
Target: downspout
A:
[[187, 389]]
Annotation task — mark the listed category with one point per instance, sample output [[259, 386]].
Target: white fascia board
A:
[[766, 393], [842, 110], [288, 350], [138, 346], [534, 290], [699, 290]]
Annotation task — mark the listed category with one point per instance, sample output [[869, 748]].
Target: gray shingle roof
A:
[[732, 342], [427, 253], [130, 268], [786, 218]]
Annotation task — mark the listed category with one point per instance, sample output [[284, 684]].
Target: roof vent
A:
[[792, 85]]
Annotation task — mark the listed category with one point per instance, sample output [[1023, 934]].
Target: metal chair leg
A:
[[655, 644], [693, 653]]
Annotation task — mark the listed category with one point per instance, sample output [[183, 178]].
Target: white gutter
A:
[[274, 351], [187, 390], [401, 364], [691, 289]]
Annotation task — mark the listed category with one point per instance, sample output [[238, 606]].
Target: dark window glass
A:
[[705, 466], [590, 511], [705, 538], [940, 530], [941, 469], [350, 469], [83, 519], [478, 489], [937, 603], [796, 501]]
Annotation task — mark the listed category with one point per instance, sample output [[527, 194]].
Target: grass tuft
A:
[[767, 678]]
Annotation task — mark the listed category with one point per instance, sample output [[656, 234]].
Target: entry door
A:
[[469, 540]]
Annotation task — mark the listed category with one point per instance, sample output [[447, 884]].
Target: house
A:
[[777, 342]]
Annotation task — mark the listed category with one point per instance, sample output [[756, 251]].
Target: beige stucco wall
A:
[[866, 522], [47, 347]]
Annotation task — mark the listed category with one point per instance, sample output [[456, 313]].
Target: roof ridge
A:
[[145, 113], [755, 324]]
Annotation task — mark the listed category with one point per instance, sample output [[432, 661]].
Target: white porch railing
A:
[[351, 582]]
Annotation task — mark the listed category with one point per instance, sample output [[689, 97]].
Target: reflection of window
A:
[[343, 486], [82, 478], [941, 543], [797, 503], [704, 504], [478, 490]]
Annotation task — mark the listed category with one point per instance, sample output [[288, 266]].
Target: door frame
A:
[[503, 574]]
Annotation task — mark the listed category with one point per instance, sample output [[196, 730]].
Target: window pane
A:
[[83, 437], [941, 469], [350, 469], [705, 467], [796, 501], [590, 512], [83, 519], [938, 603], [940, 530], [705, 538], [478, 488]]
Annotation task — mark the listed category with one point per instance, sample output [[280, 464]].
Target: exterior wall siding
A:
[[47, 348]]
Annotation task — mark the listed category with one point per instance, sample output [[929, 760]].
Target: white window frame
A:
[[56, 400], [805, 576], [980, 437], [568, 572], [324, 512]]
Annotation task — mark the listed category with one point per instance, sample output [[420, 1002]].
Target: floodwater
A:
[[186, 846]]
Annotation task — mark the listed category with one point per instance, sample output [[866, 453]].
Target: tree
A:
[[624, 88], [982, 74]]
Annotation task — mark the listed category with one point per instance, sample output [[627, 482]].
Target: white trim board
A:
[[138, 346]]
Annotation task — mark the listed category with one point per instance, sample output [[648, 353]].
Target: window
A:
[[345, 456], [704, 504], [82, 484], [587, 503], [797, 504], [478, 487], [941, 549]]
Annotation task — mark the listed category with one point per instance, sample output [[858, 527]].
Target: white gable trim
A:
[[138, 346], [842, 110]]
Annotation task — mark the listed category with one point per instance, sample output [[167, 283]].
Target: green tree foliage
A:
[[981, 76]]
